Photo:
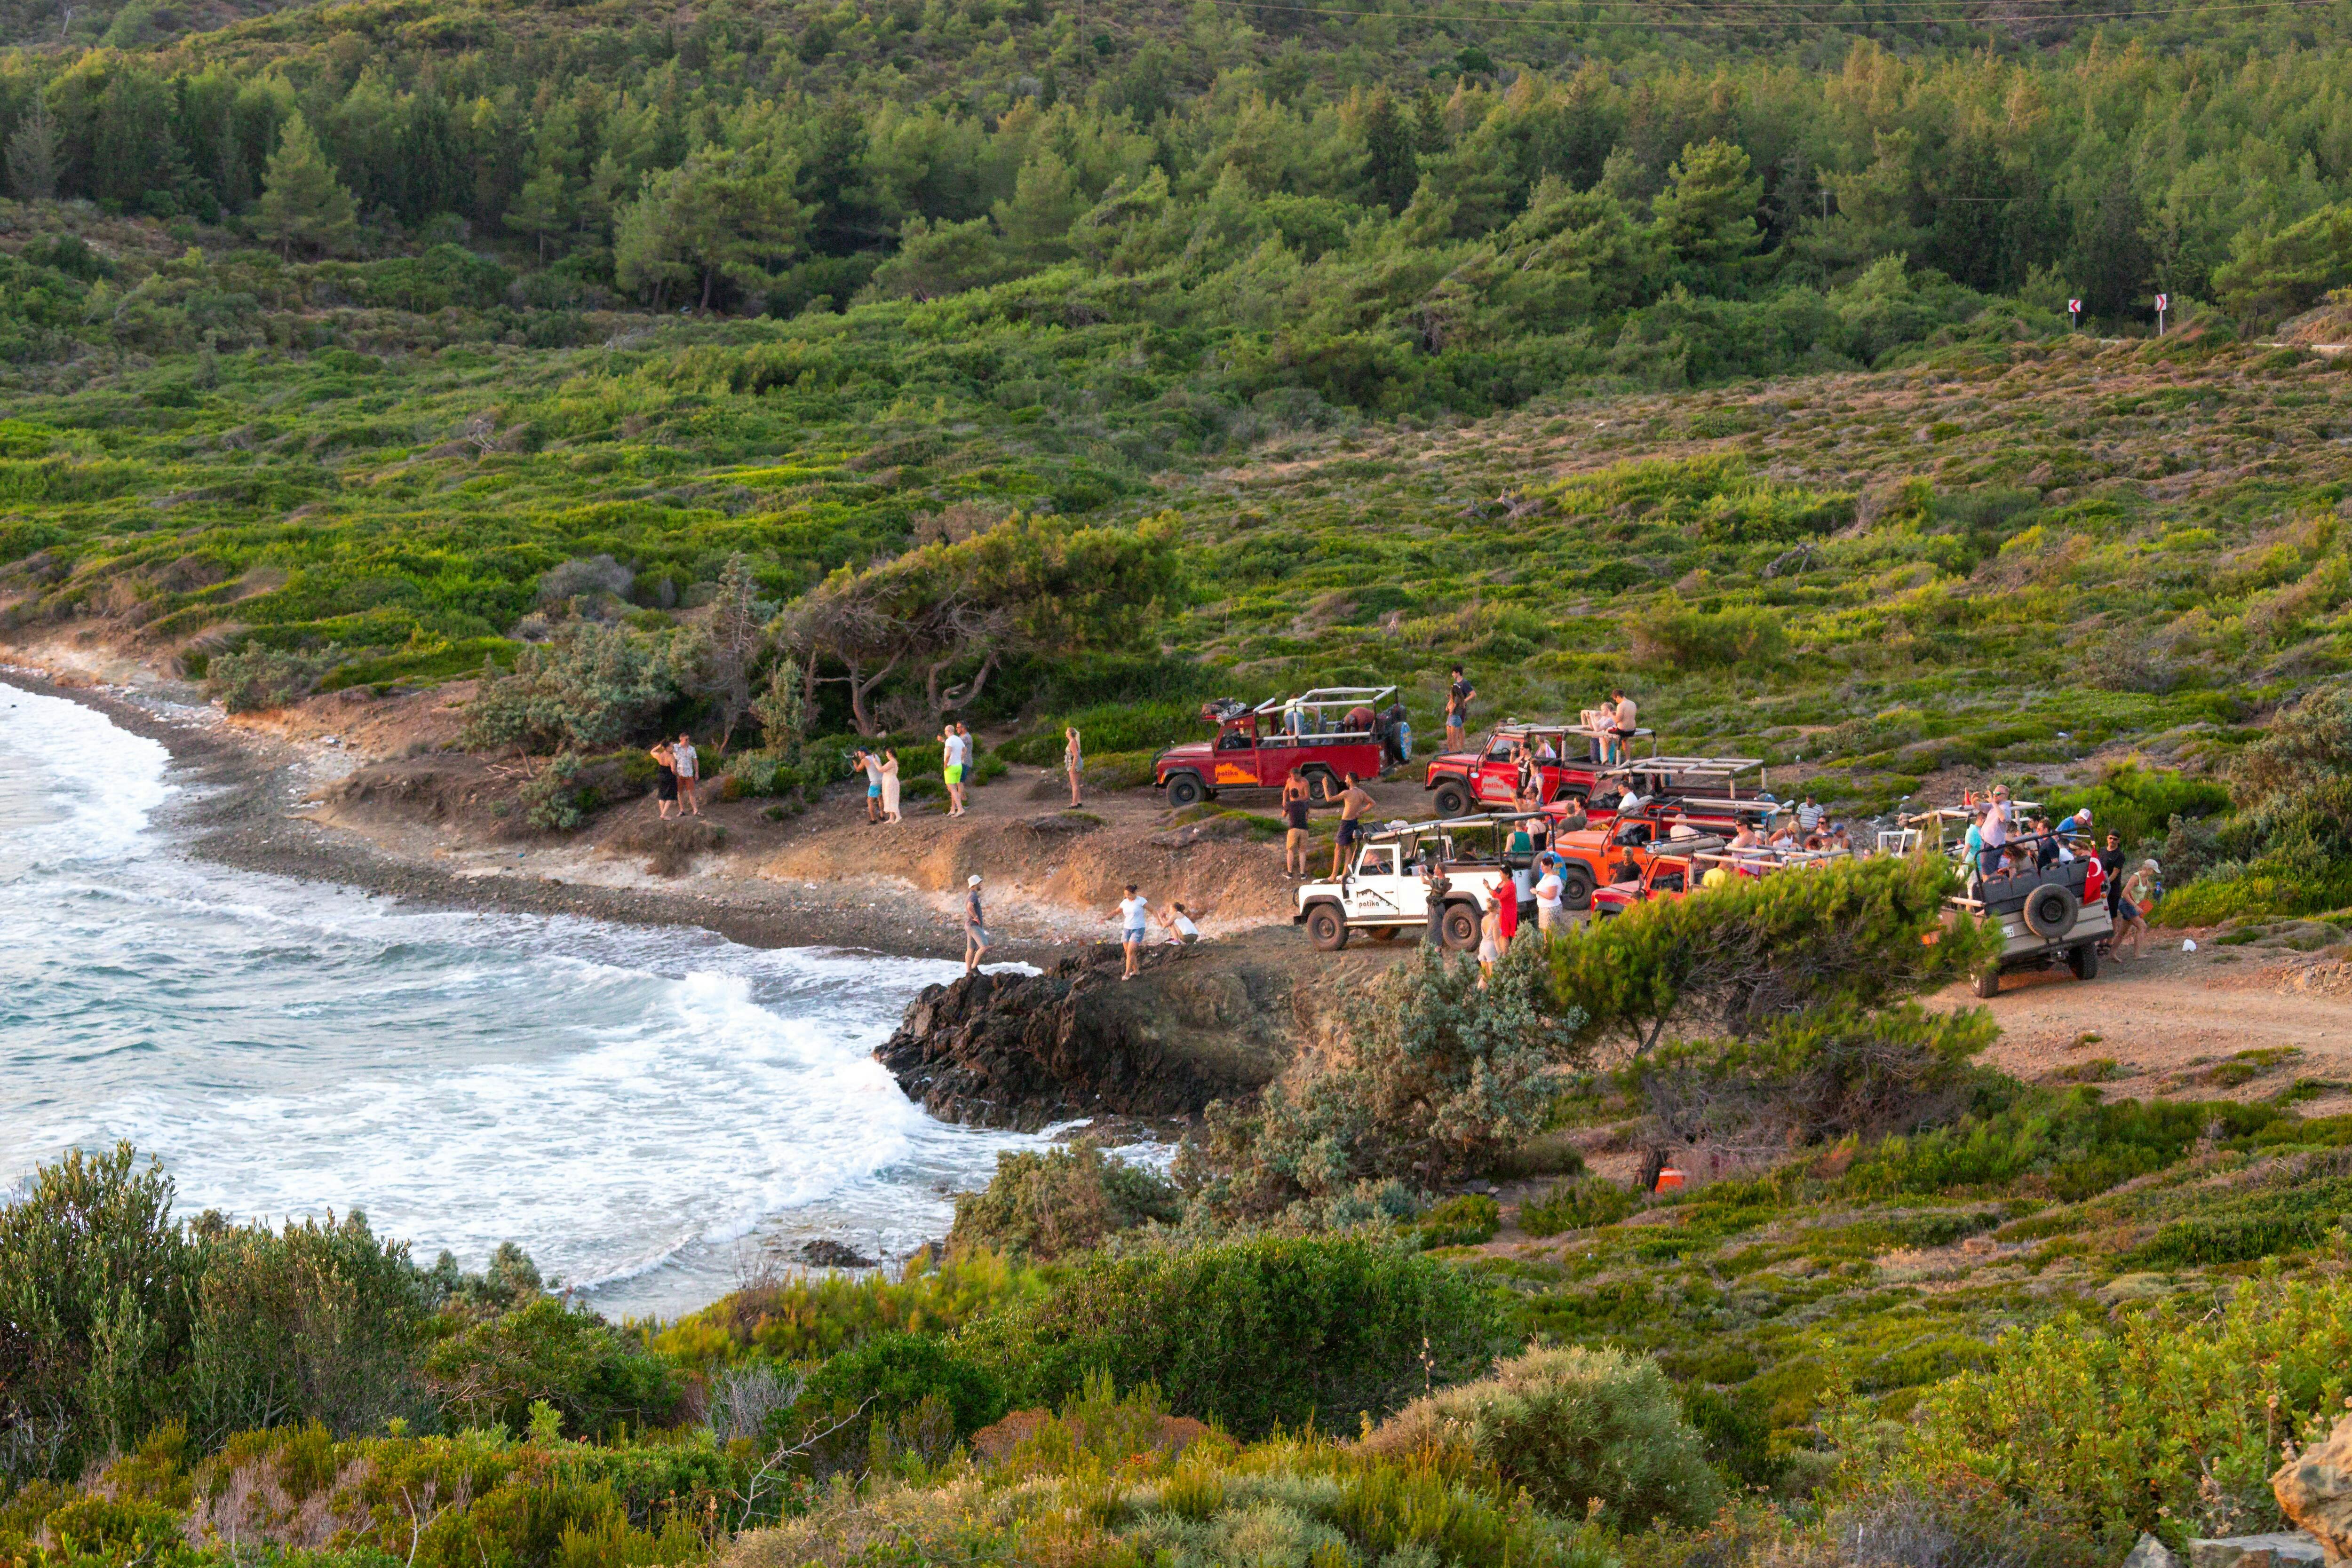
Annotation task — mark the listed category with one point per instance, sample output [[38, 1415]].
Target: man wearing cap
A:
[[975, 930]]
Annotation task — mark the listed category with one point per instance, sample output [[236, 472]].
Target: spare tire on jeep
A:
[[2051, 911]]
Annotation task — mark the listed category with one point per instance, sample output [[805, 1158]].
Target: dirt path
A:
[[2224, 1022]]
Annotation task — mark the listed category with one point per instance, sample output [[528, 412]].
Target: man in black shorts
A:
[[2111, 867], [1353, 803]]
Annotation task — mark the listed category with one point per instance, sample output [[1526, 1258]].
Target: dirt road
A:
[[2224, 1022]]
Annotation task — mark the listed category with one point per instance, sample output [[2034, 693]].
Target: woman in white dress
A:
[[890, 787]]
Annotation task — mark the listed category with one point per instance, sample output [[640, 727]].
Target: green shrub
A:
[[1578, 1204], [1437, 1074], [1572, 1425], [1750, 636], [897, 1371], [1250, 1334], [1462, 1221], [553, 797], [815, 1316], [573, 1360], [1734, 961], [98, 1297], [2139, 802], [255, 678], [588, 689], [2073, 1145], [316, 1321], [1062, 1200], [1819, 1076], [2168, 1421]]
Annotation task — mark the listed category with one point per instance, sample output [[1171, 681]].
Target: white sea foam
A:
[[628, 1104]]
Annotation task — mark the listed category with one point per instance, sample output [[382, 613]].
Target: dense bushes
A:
[[2287, 847], [1573, 1427], [1741, 958], [590, 688], [2071, 1145], [1427, 1074], [2170, 1421], [118, 1323], [1250, 1334], [1062, 1200], [496, 1370], [896, 1373], [1824, 1075]]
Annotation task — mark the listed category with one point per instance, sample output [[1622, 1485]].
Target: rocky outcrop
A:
[[1200, 1023], [2314, 1490]]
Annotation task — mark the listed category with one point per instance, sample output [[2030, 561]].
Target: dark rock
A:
[[827, 1253], [1216, 1020]]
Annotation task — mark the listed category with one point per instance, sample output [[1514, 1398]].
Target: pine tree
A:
[[302, 202], [540, 208], [1392, 162], [33, 154]]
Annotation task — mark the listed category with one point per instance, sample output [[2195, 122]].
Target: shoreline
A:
[[248, 823]]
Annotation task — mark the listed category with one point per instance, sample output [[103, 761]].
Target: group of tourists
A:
[[1999, 846]]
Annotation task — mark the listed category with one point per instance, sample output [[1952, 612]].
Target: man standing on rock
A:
[[1135, 911], [975, 930], [1353, 803], [688, 769]]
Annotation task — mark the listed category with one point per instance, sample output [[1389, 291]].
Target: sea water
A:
[[648, 1112]]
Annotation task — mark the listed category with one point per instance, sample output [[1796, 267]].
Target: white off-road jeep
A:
[[1386, 891]]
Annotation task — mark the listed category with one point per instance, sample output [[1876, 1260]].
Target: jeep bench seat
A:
[[2007, 895]]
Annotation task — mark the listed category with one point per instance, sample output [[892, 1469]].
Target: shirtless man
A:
[[1353, 803]]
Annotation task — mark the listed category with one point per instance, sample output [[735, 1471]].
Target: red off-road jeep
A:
[[1322, 734], [1567, 760], [1616, 847]]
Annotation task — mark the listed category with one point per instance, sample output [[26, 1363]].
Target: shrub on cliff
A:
[[495, 1370], [896, 1373], [588, 689], [255, 678], [1063, 1201], [1425, 1078], [1250, 1334], [1571, 1426]]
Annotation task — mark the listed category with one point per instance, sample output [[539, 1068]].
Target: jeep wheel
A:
[[1452, 801], [1576, 888], [1461, 926], [1184, 789], [1988, 981], [1322, 789], [1326, 929], [2084, 960], [2051, 911]]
